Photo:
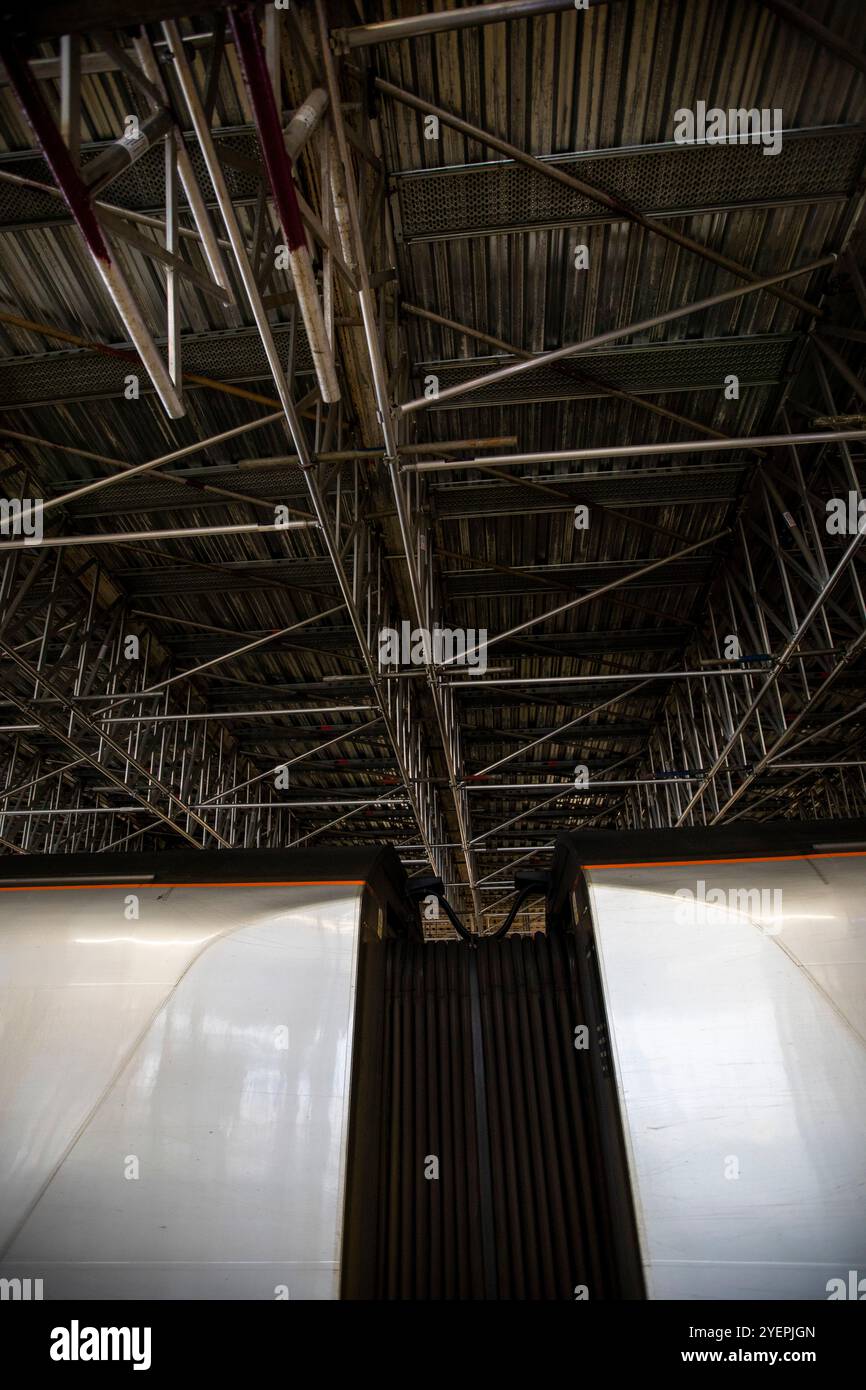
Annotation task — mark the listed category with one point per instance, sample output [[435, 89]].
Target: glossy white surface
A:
[[210, 1040], [740, 1049]]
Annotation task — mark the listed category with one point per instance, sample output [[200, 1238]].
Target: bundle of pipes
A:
[[278, 163]]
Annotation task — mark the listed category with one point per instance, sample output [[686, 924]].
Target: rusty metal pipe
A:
[[305, 122], [76, 195], [278, 164]]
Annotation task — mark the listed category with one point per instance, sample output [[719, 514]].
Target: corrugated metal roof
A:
[[488, 243]]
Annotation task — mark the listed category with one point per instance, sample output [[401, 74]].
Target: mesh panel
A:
[[682, 366], [508, 196], [141, 188], [481, 582], [604, 642], [639, 485], [236, 355], [279, 484], [233, 576]]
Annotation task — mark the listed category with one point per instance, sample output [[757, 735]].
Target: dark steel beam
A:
[[51, 18], [833, 42]]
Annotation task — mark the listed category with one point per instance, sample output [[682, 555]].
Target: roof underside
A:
[[473, 263]]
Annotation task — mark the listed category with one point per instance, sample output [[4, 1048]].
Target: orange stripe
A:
[[266, 883], [754, 859]]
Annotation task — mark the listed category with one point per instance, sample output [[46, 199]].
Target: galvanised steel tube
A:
[[305, 122], [590, 786], [169, 533], [279, 169], [555, 733], [825, 728], [117, 157], [765, 761], [338, 455], [615, 451], [123, 753], [348, 219], [202, 130], [283, 805], [577, 603], [642, 676], [290, 762], [848, 762], [244, 650], [204, 806], [227, 714], [392, 30], [132, 472], [598, 195], [778, 666], [576, 372], [178, 478], [201, 216], [76, 195], [201, 126], [349, 731], [44, 776], [348, 222], [599, 339]]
